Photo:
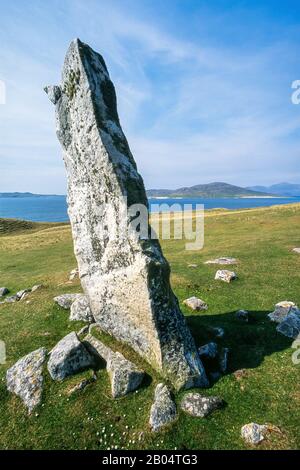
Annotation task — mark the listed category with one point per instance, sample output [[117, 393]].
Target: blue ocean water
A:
[[54, 208]]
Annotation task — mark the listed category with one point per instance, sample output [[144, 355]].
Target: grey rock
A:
[[25, 378], [199, 406], [12, 298], [195, 304], [254, 433], [225, 275], [242, 315], [192, 265], [290, 326], [125, 277], [224, 260], [97, 348], [81, 310], [22, 293], [3, 291], [36, 287], [68, 357], [125, 377], [296, 250], [53, 92], [163, 410], [282, 309], [208, 350], [223, 359], [66, 300]]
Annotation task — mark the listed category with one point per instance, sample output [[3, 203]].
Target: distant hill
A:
[[211, 190], [282, 189], [25, 195]]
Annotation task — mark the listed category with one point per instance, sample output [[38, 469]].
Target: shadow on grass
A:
[[249, 342]]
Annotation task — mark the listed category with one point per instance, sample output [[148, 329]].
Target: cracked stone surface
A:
[[199, 406], [68, 357], [290, 326], [254, 433], [126, 279], [163, 410], [25, 378]]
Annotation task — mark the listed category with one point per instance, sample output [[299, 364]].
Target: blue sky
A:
[[203, 87]]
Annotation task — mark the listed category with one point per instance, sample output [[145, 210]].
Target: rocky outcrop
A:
[[81, 310], [25, 378], [163, 410], [125, 277], [68, 357], [199, 406], [225, 276], [195, 304]]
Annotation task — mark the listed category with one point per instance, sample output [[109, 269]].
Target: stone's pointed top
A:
[[53, 92]]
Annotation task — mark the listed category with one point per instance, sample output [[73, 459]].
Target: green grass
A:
[[268, 271]]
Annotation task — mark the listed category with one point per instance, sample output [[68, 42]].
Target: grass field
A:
[[268, 272]]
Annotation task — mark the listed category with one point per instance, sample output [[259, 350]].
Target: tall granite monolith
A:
[[126, 279]]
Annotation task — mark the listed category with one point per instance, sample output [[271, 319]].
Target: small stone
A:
[[25, 378], [195, 304], [22, 293], [66, 300], [68, 357], [36, 287], [218, 331], [290, 326], [192, 265], [240, 374], [200, 406], [163, 410], [209, 350], [253, 433], [11, 299], [282, 309], [81, 310], [242, 315], [3, 291], [73, 274], [223, 260], [296, 250], [225, 276], [223, 360]]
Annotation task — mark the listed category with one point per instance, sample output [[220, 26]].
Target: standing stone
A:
[[25, 378], [125, 278], [81, 310]]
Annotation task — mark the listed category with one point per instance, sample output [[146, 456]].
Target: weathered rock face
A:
[[282, 309], [195, 304], [126, 279], [25, 378], [163, 410], [225, 275], [68, 357], [81, 310]]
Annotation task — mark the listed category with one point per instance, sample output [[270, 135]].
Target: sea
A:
[[54, 208]]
